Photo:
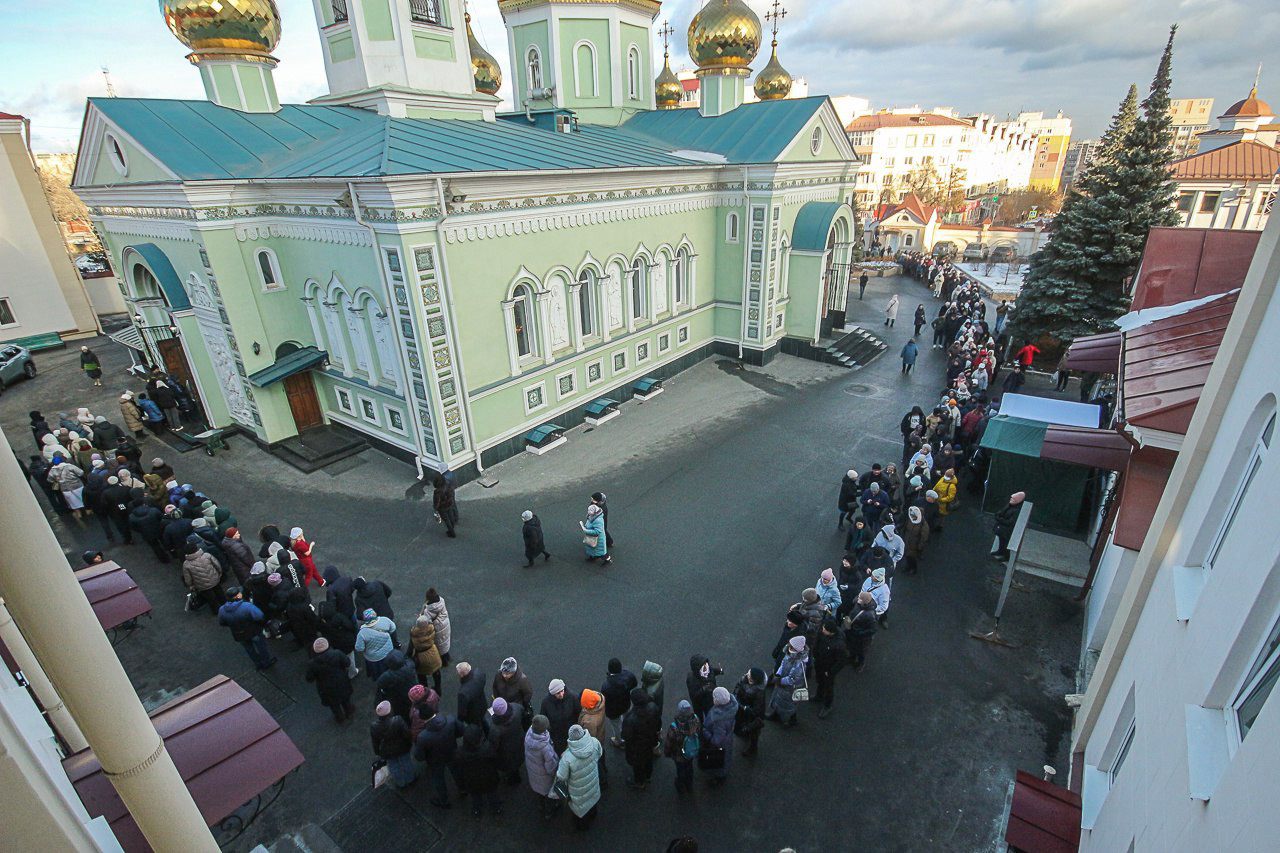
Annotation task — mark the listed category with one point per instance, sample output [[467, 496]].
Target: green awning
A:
[[1014, 435], [295, 362]]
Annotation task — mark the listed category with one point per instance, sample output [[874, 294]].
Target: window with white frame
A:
[[395, 421], [639, 287], [633, 73], [815, 141], [1258, 684], [1113, 772], [269, 270], [731, 228], [533, 66], [369, 410], [584, 70], [587, 303], [343, 396], [680, 272], [7, 317], [1259, 451], [522, 321], [115, 153]]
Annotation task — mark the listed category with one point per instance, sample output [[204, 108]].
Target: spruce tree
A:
[[1075, 285]]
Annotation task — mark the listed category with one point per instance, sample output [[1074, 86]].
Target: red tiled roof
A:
[[1180, 264], [1043, 817], [690, 85], [1096, 353], [114, 596], [1089, 446], [1166, 363], [878, 120], [1144, 482], [1247, 160], [911, 204], [10, 116]]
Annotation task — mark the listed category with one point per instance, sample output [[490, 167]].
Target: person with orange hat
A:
[[591, 718]]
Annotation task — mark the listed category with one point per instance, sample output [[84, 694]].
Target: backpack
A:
[[692, 745]]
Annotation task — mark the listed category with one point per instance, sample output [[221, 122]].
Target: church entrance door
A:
[[300, 390]]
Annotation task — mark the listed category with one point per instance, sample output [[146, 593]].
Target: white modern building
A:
[[1176, 743]]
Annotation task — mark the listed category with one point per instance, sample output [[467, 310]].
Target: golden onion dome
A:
[[484, 68], [667, 88], [773, 82], [724, 34], [243, 28]]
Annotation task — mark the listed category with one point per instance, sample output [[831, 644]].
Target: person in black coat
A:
[[372, 595], [436, 747], [398, 676], [270, 534], [1006, 518], [562, 709], [534, 544], [860, 629], [506, 736], [328, 670], [146, 519], [475, 769], [794, 627], [301, 618], [338, 592], [749, 692], [847, 503], [176, 530], [392, 740], [38, 467], [445, 504], [106, 434], [129, 449], [472, 701], [39, 428], [617, 687], [114, 501], [829, 656], [701, 681], [641, 728]]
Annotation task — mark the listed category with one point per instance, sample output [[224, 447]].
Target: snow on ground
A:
[[1002, 283]]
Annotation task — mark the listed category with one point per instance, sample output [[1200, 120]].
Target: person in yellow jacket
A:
[[946, 489]]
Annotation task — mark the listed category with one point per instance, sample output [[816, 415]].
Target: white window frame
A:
[[1122, 753], [391, 426], [586, 284], [1260, 448], [613, 362], [343, 398], [273, 263], [116, 154], [586, 372], [815, 140], [646, 348], [375, 419], [684, 327], [633, 73], [8, 303], [577, 70], [664, 342], [679, 279], [524, 292], [533, 67], [524, 396], [639, 275], [1261, 662], [731, 228], [573, 375]]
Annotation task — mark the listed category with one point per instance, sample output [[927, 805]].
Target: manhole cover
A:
[[859, 390]]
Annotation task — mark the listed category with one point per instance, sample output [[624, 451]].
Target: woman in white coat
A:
[[891, 311]]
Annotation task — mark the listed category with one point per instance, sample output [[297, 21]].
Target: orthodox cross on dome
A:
[[665, 32], [774, 17]]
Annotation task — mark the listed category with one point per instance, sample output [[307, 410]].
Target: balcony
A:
[[425, 12], [339, 11]]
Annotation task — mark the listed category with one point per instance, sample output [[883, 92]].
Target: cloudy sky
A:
[[996, 56]]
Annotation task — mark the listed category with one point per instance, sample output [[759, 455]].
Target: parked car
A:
[[975, 252], [92, 263], [15, 364], [1000, 254]]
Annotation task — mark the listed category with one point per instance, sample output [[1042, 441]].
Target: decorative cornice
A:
[[400, 214], [318, 233], [145, 228]]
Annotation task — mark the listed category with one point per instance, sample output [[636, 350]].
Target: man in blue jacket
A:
[[246, 622]]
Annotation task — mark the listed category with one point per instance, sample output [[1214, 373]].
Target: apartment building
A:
[[1191, 117], [1053, 137], [1080, 154]]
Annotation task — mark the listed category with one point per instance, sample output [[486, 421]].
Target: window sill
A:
[[1188, 583], [1208, 752], [427, 25]]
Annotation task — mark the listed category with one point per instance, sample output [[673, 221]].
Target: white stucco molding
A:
[[317, 233], [506, 224], [156, 228]]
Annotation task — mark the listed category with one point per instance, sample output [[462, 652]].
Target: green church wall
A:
[[377, 20], [251, 83], [433, 46], [224, 78], [142, 169], [637, 37], [575, 91], [525, 36], [341, 46]]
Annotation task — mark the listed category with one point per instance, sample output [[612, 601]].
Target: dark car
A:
[[1000, 254], [15, 364]]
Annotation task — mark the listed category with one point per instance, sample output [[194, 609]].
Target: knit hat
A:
[[320, 646], [809, 596], [232, 532], [198, 523], [756, 674], [875, 487], [99, 419], [499, 707], [190, 548], [555, 686], [577, 732], [916, 482], [597, 496], [508, 665], [526, 515], [113, 481], [274, 579], [369, 614], [98, 463], [1017, 498], [590, 699], [915, 514], [417, 693], [593, 510], [720, 696], [463, 669], [878, 575], [258, 568], [683, 708], [851, 474], [828, 576], [383, 709], [157, 462], [931, 494], [295, 533], [540, 724], [797, 643]]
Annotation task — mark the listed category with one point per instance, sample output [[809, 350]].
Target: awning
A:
[[130, 337], [1093, 448], [295, 362], [226, 747], [1096, 353], [1144, 483], [1014, 435], [114, 595], [1049, 411], [1043, 817]]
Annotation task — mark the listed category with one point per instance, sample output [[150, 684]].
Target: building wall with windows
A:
[[1178, 736], [1053, 136], [1190, 117]]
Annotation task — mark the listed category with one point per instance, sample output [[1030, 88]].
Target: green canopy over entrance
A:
[[1056, 488]]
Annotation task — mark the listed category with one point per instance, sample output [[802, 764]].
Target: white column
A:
[[543, 299], [602, 304], [628, 300], [575, 315], [509, 323], [52, 703]]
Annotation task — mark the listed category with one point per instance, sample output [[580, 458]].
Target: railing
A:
[[425, 11], [339, 11]]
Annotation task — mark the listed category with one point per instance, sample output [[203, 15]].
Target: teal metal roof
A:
[[199, 140], [295, 362], [752, 133], [162, 268], [813, 223]]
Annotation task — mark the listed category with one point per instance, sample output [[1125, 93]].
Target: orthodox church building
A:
[[399, 258]]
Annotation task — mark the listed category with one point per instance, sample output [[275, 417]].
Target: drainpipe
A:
[[446, 284], [391, 302], [47, 603]]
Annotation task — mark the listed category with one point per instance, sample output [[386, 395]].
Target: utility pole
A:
[[106, 75]]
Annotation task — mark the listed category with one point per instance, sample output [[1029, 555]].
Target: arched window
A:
[[269, 270], [731, 228], [633, 73], [815, 141], [533, 63], [115, 153], [586, 303], [522, 320], [584, 70], [1257, 454], [639, 287], [681, 273]]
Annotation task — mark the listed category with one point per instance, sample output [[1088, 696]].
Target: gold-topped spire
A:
[[724, 35], [667, 88], [225, 29], [773, 82], [484, 68]]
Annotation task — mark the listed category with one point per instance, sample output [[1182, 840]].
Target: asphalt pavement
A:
[[722, 497]]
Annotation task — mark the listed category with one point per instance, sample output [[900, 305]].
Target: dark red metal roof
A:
[[1096, 353], [1180, 264], [1094, 448], [114, 595], [1043, 818], [1166, 363], [1144, 482], [225, 745]]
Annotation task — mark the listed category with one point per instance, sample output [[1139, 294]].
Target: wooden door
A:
[[175, 360], [301, 391]]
